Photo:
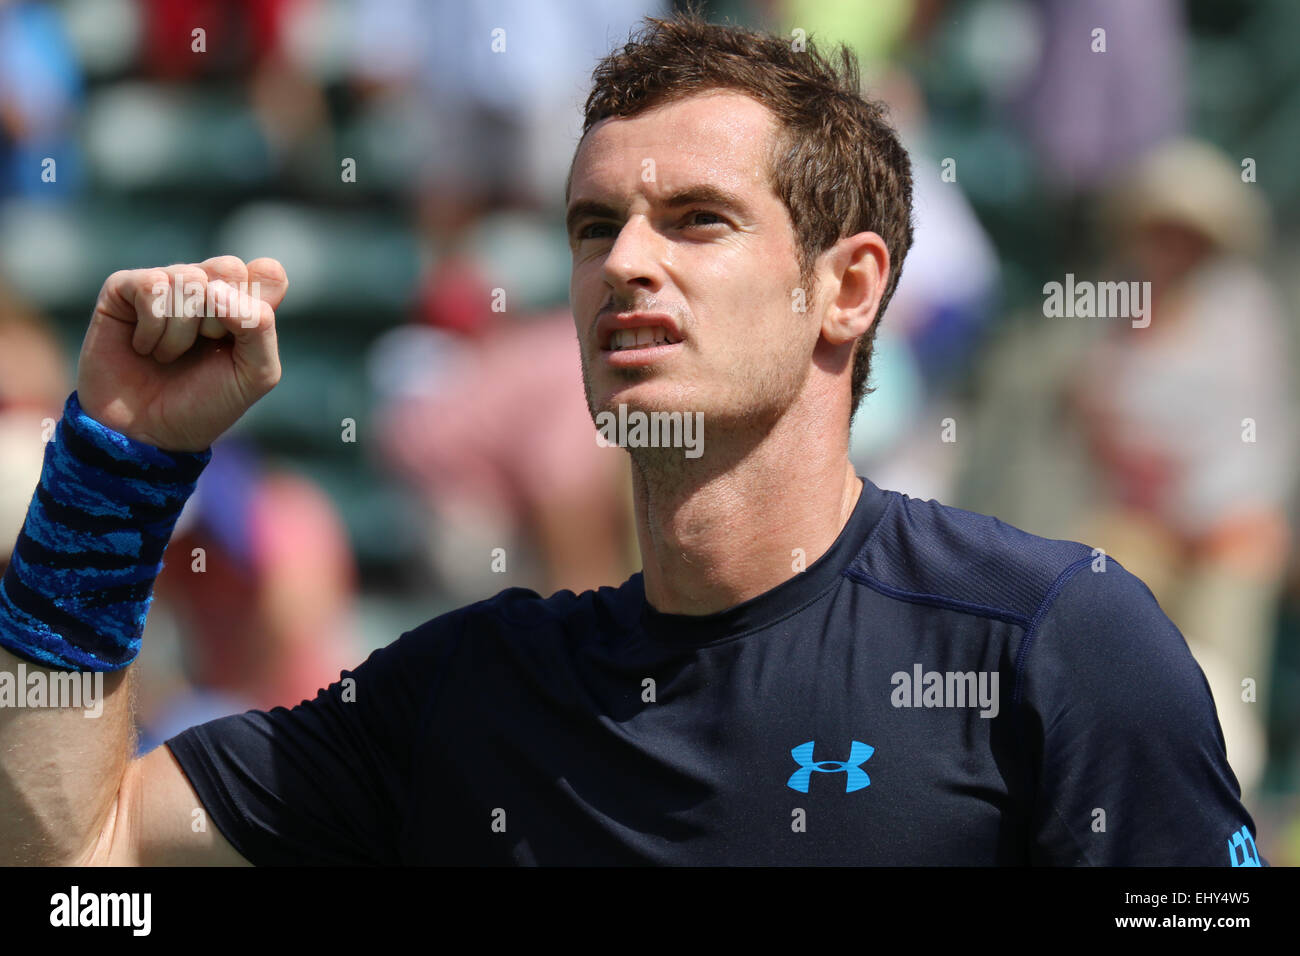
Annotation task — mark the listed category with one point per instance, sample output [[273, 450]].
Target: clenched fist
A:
[[174, 356]]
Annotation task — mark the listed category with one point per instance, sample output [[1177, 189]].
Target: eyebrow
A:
[[701, 193]]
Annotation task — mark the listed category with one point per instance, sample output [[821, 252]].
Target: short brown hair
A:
[[837, 165]]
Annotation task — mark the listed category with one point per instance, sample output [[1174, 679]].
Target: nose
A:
[[635, 259]]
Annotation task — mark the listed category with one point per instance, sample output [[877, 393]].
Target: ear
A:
[[855, 272]]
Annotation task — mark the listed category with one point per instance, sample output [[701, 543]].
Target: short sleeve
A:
[[326, 782], [1128, 756]]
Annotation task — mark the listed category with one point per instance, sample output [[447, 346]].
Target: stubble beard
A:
[[748, 412]]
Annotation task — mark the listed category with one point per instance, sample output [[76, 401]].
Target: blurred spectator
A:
[[488, 92], [873, 29], [237, 34], [40, 90], [33, 370], [22, 454], [1096, 101], [33, 386], [249, 40], [493, 431], [936, 320], [1189, 423], [261, 583]]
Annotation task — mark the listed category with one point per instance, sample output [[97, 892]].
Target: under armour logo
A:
[[1249, 854], [855, 777]]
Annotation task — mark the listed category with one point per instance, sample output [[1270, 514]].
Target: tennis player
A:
[[810, 669]]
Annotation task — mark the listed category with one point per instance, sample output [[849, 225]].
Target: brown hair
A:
[[837, 165]]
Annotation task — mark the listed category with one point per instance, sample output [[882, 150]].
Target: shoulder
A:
[[522, 612], [929, 552], [1073, 602]]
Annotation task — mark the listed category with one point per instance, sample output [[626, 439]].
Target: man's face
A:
[[670, 212]]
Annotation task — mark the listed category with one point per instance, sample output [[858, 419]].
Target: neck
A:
[[721, 529]]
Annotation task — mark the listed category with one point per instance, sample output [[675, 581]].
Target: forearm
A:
[[60, 766], [73, 604]]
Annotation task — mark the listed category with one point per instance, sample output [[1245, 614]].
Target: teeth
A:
[[638, 337]]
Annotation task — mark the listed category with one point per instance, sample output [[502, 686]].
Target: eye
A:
[[585, 231], [690, 218]]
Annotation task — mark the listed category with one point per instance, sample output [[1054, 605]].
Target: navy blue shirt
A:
[[939, 688]]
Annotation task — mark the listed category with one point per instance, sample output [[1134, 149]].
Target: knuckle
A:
[[143, 286], [230, 268], [268, 268], [149, 280]]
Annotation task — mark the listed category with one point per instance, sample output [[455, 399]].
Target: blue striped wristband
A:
[[79, 585]]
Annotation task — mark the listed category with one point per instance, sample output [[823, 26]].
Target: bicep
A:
[[324, 782], [160, 820]]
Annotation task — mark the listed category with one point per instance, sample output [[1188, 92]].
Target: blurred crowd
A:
[[430, 444]]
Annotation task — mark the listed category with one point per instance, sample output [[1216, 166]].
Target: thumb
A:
[[252, 323]]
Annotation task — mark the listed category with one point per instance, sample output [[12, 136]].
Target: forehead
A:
[[721, 136]]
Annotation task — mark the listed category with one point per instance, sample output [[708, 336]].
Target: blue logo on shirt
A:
[[1249, 854], [855, 777]]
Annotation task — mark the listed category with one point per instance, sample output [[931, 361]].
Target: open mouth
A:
[[642, 337]]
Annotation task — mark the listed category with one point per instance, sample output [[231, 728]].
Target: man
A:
[[810, 670]]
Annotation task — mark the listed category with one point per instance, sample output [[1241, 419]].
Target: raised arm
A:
[[172, 358]]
